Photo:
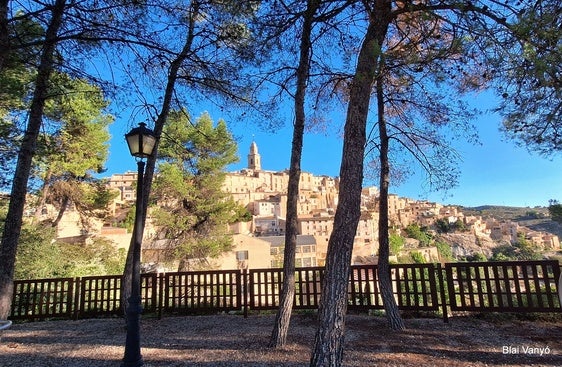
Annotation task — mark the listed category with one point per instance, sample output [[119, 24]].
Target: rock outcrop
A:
[[468, 244]]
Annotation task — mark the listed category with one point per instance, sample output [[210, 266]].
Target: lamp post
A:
[[141, 142]]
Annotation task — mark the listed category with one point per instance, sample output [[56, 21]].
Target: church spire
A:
[[254, 159]]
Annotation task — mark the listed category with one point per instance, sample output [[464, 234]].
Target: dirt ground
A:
[[231, 340]]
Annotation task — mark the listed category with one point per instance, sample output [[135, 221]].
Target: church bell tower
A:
[[254, 159]]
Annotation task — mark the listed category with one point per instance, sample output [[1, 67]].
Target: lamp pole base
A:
[[133, 357]]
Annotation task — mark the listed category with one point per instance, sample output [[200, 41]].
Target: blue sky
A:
[[497, 172]]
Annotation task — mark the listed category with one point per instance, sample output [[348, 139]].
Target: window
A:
[[241, 255]]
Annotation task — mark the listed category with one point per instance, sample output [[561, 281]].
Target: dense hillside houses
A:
[[260, 242]]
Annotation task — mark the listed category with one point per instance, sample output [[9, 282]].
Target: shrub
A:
[[444, 250], [417, 257]]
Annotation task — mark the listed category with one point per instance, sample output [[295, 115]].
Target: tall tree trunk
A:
[[4, 34], [62, 209], [328, 344], [395, 321], [329, 340], [151, 161], [14, 217], [283, 318]]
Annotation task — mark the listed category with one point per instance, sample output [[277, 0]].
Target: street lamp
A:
[[141, 142]]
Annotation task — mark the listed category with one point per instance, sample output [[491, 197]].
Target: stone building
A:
[[264, 193], [125, 183]]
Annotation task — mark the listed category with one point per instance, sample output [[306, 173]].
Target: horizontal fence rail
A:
[[518, 286]]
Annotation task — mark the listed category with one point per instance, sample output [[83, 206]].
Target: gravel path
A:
[[225, 340]]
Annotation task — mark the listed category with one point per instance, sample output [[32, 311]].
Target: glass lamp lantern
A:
[[141, 141]]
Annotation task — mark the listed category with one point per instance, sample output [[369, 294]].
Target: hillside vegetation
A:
[[513, 213]]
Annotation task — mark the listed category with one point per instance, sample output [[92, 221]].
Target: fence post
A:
[[442, 297], [160, 288], [245, 291], [560, 288], [560, 285], [76, 300]]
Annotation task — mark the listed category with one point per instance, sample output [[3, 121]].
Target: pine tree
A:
[[190, 209]]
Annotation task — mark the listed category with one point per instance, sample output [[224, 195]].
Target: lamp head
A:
[[141, 141]]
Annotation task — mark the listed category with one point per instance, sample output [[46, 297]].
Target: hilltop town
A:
[[259, 242]]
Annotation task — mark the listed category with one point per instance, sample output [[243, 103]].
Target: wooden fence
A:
[[510, 287], [521, 286]]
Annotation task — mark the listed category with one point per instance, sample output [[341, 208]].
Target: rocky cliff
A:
[[467, 244]]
